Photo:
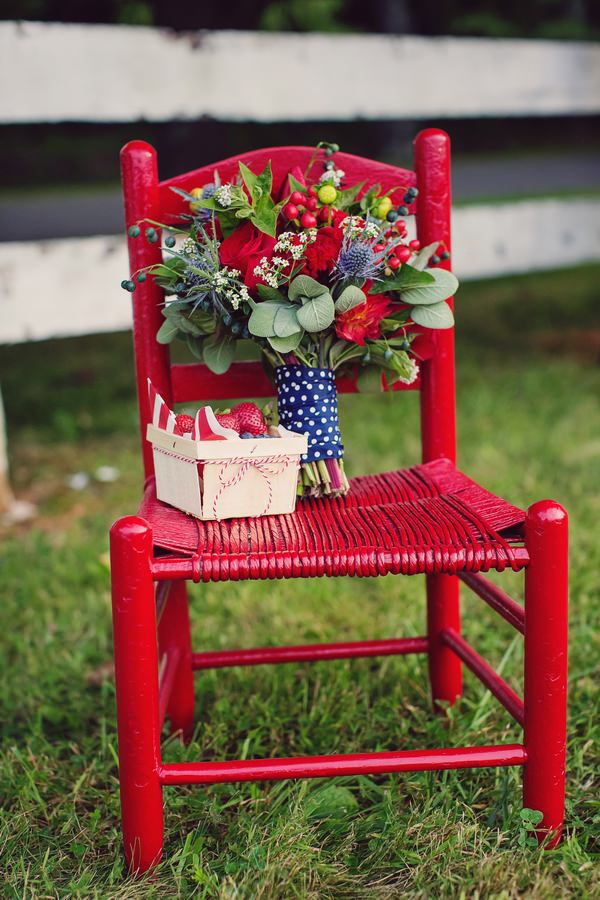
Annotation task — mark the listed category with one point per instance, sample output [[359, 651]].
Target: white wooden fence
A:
[[56, 72]]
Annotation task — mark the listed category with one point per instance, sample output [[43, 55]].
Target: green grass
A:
[[529, 427]]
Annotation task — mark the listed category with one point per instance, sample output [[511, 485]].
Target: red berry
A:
[[312, 191], [394, 262], [415, 245], [311, 204], [249, 418], [308, 220], [184, 424], [379, 247], [297, 197], [324, 214], [403, 254], [228, 420], [290, 211]]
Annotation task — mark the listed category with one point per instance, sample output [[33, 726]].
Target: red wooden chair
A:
[[429, 519]]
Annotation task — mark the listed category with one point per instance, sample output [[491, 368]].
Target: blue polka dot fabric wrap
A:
[[307, 403]]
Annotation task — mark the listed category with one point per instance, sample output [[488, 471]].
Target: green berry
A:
[[236, 328], [227, 320], [415, 191], [392, 215], [128, 286], [445, 255], [328, 151], [151, 235], [388, 354], [366, 358], [408, 197], [402, 210], [405, 345], [435, 259], [170, 241], [142, 276], [335, 147], [134, 231], [329, 164]]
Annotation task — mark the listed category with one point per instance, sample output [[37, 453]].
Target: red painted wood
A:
[[195, 381], [169, 664], [174, 640], [496, 598], [136, 682], [261, 656], [139, 175], [486, 674], [546, 635], [350, 764], [283, 160]]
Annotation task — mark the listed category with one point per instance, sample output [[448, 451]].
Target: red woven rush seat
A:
[[427, 519]]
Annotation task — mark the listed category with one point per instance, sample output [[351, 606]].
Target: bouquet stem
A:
[[322, 478]]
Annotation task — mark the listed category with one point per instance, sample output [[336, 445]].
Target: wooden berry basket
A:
[[228, 478]]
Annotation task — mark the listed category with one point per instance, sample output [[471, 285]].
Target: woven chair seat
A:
[[426, 519]]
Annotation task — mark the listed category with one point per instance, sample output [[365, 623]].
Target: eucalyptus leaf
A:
[[285, 322], [266, 292], [167, 332], [204, 321], [421, 259], [404, 280], [304, 286], [218, 353], [444, 286], [260, 323], [286, 344], [194, 345], [317, 313], [435, 315], [350, 297]]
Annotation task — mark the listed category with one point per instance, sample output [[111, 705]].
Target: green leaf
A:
[[444, 286], [249, 178], [195, 346], [407, 278], [317, 313], [350, 297], [218, 353], [285, 322], [260, 323], [296, 185], [286, 344], [265, 292], [436, 315], [347, 197], [305, 286], [204, 321], [167, 332]]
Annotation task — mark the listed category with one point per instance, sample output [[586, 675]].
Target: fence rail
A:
[[117, 73]]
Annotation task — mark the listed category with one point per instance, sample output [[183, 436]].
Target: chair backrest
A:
[[148, 198]]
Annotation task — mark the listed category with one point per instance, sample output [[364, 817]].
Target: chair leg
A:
[[443, 611], [174, 635], [136, 679], [546, 626]]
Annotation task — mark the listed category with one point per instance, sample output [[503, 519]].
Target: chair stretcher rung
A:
[[258, 656], [350, 764], [486, 674], [495, 597]]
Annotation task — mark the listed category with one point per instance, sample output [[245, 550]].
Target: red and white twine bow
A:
[[263, 464]]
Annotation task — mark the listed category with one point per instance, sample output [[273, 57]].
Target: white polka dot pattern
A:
[[314, 414]]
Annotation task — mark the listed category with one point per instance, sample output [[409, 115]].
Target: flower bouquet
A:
[[323, 279]]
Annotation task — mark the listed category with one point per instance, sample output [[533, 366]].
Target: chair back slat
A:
[[243, 379]]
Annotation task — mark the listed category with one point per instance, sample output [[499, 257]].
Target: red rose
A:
[[362, 321], [321, 255], [244, 250]]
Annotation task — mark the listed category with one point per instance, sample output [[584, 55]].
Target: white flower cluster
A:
[[270, 271], [332, 176], [223, 195], [356, 226], [226, 282], [412, 374], [295, 243]]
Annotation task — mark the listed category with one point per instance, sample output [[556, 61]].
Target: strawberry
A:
[[228, 420], [184, 424], [249, 418]]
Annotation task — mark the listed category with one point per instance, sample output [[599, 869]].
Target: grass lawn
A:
[[529, 427]]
